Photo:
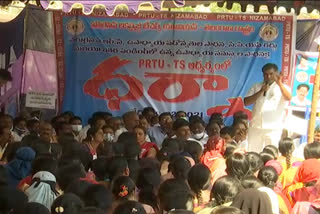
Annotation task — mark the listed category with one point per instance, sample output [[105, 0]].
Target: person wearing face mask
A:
[[197, 126], [20, 129], [76, 124], [108, 134]]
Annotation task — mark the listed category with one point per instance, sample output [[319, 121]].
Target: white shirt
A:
[[202, 140], [83, 133], [268, 111], [297, 102]]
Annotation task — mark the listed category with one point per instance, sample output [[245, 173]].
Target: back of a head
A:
[[194, 149], [69, 173], [32, 208], [237, 166], [130, 207], [272, 150], [255, 161], [177, 199], [99, 167], [312, 150], [134, 169], [78, 187], [268, 175], [123, 188], [180, 211], [286, 147], [253, 201], [117, 167], [98, 196], [91, 210], [68, 203], [45, 163], [175, 145], [11, 198], [180, 168], [225, 189], [76, 150], [148, 182], [265, 156], [199, 178], [226, 210], [251, 182], [170, 186]]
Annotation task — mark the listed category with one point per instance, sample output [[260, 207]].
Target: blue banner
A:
[[197, 62]]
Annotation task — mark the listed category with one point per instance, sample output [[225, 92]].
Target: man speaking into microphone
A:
[[268, 98]]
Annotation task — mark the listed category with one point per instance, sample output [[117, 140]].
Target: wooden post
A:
[[314, 104]]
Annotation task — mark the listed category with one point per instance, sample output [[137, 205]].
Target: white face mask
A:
[[108, 137], [198, 136], [76, 128]]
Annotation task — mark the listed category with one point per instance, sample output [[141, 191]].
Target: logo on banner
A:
[[268, 32], [75, 26]]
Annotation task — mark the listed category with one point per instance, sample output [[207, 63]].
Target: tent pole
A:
[[314, 104]]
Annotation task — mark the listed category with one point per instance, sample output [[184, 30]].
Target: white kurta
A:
[[267, 118]]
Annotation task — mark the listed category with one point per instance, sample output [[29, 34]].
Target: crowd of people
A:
[[150, 164]]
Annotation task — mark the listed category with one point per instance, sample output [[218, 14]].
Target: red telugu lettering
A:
[[236, 105], [190, 87], [103, 73]]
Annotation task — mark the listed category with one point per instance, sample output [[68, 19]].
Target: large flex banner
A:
[[197, 62]]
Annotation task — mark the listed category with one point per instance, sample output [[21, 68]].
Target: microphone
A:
[[266, 83]]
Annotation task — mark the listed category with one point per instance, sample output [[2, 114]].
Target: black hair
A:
[[150, 163], [199, 178], [269, 66], [196, 119], [180, 211], [105, 149], [228, 130], [240, 115], [175, 145], [271, 149], [266, 157], [99, 167], [123, 188], [69, 202], [44, 163], [5, 75], [268, 176], [78, 187], [175, 194], [148, 109], [237, 166], [18, 120], [180, 167], [251, 181], [130, 207], [148, 181], [91, 210], [230, 148], [30, 208], [194, 149], [255, 161], [164, 154], [128, 114], [225, 189], [312, 150], [164, 114], [75, 118], [32, 122], [117, 167], [93, 120], [43, 148], [98, 196], [179, 123], [134, 169], [69, 173], [180, 111], [303, 85], [131, 147], [286, 148], [226, 210], [75, 150], [216, 118], [91, 133]]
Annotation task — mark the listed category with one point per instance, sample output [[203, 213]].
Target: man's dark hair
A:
[[5, 75], [269, 66], [303, 85]]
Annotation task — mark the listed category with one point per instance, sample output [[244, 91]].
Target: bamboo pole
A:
[[314, 104]]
